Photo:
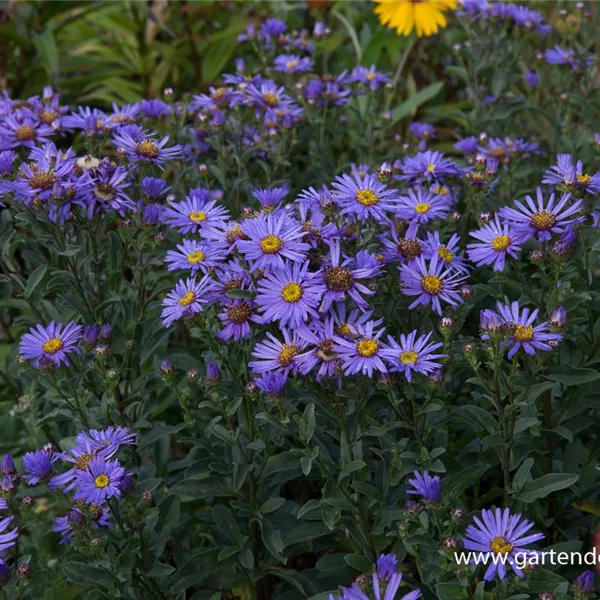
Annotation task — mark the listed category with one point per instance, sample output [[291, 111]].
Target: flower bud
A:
[[558, 319], [24, 570], [466, 291], [213, 374], [192, 375], [457, 514], [146, 496], [166, 368], [536, 256]]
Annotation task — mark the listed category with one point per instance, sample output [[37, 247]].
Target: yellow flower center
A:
[[432, 284], [48, 116], [370, 76], [290, 64], [196, 256], [53, 345], [409, 357], [344, 330], [430, 167], [543, 220], [445, 254], [197, 216], [422, 207], [291, 292], [188, 299], [147, 149], [523, 334], [271, 244], [287, 354], [500, 243], [367, 347], [583, 179], [366, 197], [25, 133], [325, 351], [101, 481], [441, 190], [219, 94], [271, 99], [500, 545]]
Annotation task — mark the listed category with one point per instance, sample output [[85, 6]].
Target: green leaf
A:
[[411, 105], [355, 465], [451, 591], [226, 522], [87, 575], [271, 505], [272, 540], [568, 375], [35, 279], [159, 570], [544, 486], [455, 484], [358, 562]]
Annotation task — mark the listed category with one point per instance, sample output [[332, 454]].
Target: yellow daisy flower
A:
[[426, 16]]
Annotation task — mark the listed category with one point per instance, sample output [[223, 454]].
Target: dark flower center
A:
[[338, 279]]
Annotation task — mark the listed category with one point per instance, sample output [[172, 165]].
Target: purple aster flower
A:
[[270, 240], [68, 524], [571, 176], [270, 198], [154, 187], [272, 384], [153, 214], [38, 466], [122, 115], [144, 149], [369, 76], [383, 588], [100, 481], [427, 166], [532, 79], [586, 582], [542, 219], [51, 344], [426, 486], [275, 355], [500, 533], [362, 354], [7, 540], [496, 241], [186, 299], [107, 440], [341, 279], [192, 255], [236, 318], [292, 63], [523, 333], [412, 354], [155, 109], [7, 157], [80, 456], [421, 130], [559, 56], [320, 335], [194, 213], [7, 465], [468, 145], [267, 94], [432, 281], [5, 571], [108, 192], [364, 197], [448, 252], [558, 318], [387, 566], [402, 249], [24, 132], [289, 295], [565, 244], [422, 206], [273, 28], [91, 120]]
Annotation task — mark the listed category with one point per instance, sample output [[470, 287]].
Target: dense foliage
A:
[[317, 328]]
